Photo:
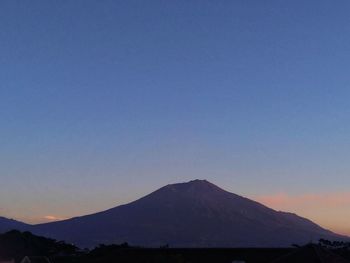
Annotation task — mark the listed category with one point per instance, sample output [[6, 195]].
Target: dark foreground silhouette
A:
[[17, 245]]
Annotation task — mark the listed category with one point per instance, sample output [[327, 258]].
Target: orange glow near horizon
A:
[[42, 219], [53, 218], [330, 210]]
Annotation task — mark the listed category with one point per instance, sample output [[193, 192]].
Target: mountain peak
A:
[[198, 181], [196, 185], [193, 182], [190, 214]]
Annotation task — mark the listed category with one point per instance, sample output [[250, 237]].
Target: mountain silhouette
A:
[[193, 214], [10, 224]]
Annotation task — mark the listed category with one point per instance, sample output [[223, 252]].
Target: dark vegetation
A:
[[334, 244], [106, 254], [15, 244], [339, 247]]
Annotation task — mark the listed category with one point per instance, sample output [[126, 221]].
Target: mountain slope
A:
[[10, 224], [193, 214]]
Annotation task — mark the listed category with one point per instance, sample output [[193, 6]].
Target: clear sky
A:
[[104, 101]]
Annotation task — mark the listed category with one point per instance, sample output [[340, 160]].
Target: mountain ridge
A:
[[7, 224], [191, 214]]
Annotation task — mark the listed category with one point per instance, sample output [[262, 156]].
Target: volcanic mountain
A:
[[193, 214]]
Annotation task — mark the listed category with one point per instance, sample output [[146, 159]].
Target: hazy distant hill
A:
[[9, 224], [193, 214]]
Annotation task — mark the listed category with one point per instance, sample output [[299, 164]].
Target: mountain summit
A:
[[193, 214]]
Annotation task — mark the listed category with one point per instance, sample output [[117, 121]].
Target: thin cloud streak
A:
[[53, 218]]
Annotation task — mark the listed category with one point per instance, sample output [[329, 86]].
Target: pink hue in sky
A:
[[53, 218], [330, 210], [284, 200], [41, 219]]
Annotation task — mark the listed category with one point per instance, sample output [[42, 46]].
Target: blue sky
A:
[[104, 101]]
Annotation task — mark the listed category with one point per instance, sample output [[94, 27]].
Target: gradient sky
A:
[[102, 102]]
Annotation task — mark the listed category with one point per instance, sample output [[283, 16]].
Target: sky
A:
[[102, 102]]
